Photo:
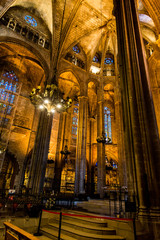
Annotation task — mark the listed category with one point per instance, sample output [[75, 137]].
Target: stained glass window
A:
[[7, 97], [2, 82], [76, 49], [108, 60], [75, 121], [14, 87], [30, 20], [9, 108], [2, 94], [107, 124], [114, 165], [74, 130], [96, 58], [75, 110], [12, 99], [11, 75], [8, 86]]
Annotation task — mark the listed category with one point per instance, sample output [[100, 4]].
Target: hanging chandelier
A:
[[103, 139], [51, 98]]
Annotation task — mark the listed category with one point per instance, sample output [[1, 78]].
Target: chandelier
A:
[[51, 99], [103, 139]]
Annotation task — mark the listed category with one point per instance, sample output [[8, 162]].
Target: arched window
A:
[[107, 124], [109, 65], [8, 88]]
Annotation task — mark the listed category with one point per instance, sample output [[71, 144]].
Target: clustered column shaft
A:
[[81, 146]]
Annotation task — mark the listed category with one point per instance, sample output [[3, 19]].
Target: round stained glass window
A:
[[76, 49], [108, 60], [30, 20]]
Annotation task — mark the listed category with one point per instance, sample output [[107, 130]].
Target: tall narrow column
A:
[[120, 137], [58, 158], [81, 146], [40, 153], [100, 150], [141, 133], [90, 174]]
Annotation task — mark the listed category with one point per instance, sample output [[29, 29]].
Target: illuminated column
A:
[[120, 137], [90, 174], [81, 146], [101, 181], [60, 146], [141, 133], [40, 153]]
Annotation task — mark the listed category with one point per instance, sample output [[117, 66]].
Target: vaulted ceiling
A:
[[87, 22]]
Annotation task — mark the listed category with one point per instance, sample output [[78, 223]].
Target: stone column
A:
[[120, 138], [101, 178], [60, 146], [40, 154], [156, 98], [90, 174], [81, 146], [141, 133]]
